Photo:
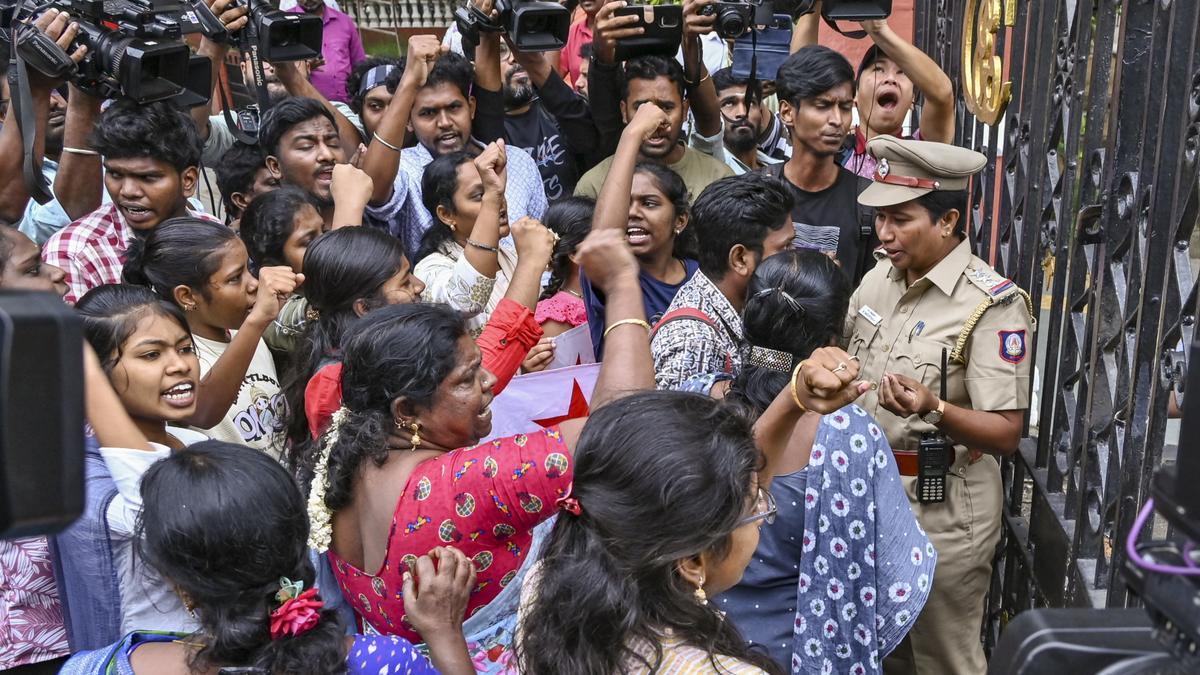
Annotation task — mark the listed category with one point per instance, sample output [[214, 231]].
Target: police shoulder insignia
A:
[[987, 280], [1012, 345]]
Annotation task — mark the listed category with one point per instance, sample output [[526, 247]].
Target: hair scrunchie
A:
[[299, 611]]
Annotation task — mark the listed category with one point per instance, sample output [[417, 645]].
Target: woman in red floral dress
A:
[[396, 474]]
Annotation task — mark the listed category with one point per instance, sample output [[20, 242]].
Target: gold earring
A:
[[701, 596], [187, 603], [415, 428]]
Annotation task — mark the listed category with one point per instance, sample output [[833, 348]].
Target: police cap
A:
[[910, 169]]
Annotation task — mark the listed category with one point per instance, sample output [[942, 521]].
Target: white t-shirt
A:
[[147, 602], [258, 416]]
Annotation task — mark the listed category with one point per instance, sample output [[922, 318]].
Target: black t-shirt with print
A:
[[535, 132], [832, 220]]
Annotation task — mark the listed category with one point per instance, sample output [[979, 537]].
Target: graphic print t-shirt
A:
[[258, 416], [536, 133], [829, 221]]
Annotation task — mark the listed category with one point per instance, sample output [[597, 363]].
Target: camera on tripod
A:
[[532, 25]]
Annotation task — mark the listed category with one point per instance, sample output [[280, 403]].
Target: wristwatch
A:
[[934, 416]]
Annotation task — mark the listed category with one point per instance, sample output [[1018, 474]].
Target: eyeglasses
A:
[[764, 509]]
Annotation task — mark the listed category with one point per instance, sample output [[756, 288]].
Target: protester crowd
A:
[[291, 463]]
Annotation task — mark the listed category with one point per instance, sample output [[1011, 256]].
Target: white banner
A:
[[538, 400]]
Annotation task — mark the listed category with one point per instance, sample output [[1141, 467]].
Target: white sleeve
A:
[[454, 282], [127, 467]]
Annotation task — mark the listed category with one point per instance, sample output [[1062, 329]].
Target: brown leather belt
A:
[[907, 465], [906, 462]]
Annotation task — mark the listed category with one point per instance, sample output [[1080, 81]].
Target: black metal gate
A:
[[1089, 203]]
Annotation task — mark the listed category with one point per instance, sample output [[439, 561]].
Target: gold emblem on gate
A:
[[985, 94]]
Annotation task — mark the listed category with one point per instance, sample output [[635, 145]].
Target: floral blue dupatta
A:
[[867, 567]]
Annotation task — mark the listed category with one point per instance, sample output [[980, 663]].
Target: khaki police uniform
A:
[[984, 322]]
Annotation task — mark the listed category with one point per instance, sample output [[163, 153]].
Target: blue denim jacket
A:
[[83, 564]]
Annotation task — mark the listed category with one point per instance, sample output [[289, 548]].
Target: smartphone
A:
[[663, 34], [774, 43]]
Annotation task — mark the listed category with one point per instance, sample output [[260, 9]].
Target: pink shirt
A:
[[860, 161], [569, 59], [342, 48]]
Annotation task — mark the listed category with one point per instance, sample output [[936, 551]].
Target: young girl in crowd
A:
[[277, 228], [351, 271], [844, 547], [466, 258], [146, 351], [355, 270], [560, 307], [648, 203], [268, 615], [203, 268]]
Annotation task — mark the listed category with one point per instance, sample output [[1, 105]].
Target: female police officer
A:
[[928, 297]]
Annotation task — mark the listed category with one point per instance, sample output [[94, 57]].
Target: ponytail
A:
[[181, 251], [571, 220], [227, 526], [237, 630]]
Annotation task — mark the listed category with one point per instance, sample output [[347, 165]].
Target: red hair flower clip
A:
[[568, 503], [298, 612]]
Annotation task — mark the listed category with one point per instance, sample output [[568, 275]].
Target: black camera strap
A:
[[234, 127], [31, 166], [753, 86], [852, 34], [247, 44]]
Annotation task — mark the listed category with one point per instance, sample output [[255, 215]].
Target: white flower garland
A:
[[320, 519]]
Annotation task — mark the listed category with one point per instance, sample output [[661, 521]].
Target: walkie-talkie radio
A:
[[935, 455]]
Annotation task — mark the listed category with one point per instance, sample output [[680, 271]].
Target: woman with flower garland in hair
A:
[[353, 271], [842, 573], [397, 473], [266, 615]]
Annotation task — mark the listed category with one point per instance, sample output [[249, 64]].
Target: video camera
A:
[[276, 35], [735, 18], [134, 46], [532, 25]]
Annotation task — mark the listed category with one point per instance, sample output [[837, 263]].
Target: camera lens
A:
[[731, 24]]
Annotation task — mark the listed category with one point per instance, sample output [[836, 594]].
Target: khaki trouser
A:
[[965, 530]]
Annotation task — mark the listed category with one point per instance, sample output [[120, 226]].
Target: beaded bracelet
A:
[[485, 247]]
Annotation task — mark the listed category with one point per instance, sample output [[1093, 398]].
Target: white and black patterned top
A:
[[685, 348]]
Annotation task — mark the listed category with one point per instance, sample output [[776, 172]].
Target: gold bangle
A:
[[792, 386], [627, 322]]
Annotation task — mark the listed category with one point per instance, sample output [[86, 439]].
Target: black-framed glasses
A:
[[764, 509]]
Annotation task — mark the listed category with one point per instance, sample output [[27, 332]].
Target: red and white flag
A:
[[538, 400]]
